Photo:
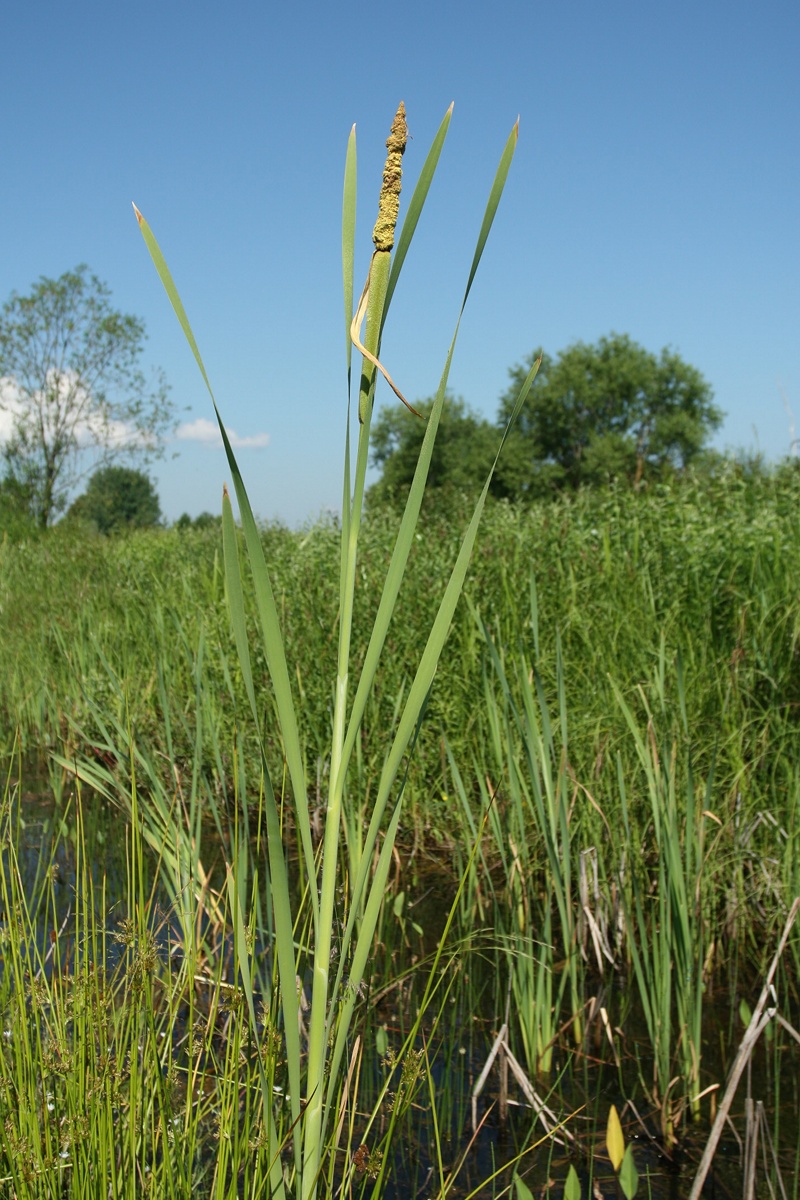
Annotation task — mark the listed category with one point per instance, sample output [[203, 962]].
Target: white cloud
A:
[[9, 407], [89, 427], [207, 432], [71, 412]]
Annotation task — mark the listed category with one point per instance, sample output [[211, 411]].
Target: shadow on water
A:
[[479, 1132]]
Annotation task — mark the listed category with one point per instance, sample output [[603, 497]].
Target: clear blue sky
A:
[[655, 192]]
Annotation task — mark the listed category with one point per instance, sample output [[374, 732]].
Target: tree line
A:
[[597, 414], [75, 404]]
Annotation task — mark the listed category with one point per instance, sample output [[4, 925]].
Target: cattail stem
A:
[[372, 302]]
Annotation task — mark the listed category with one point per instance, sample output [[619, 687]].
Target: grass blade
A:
[[348, 241], [494, 200], [268, 613]]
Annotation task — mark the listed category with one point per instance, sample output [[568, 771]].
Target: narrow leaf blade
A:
[[494, 199], [348, 240], [233, 584], [172, 292]]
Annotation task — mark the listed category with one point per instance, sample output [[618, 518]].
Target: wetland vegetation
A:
[[604, 789], [440, 850]]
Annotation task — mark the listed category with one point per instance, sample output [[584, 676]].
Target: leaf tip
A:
[[139, 216], [452, 106]]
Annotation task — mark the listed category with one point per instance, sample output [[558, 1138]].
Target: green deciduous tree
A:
[[204, 520], [72, 394], [465, 448], [116, 499], [596, 414], [610, 411]]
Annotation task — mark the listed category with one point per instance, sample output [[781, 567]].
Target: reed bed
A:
[[706, 570], [593, 733], [621, 808]]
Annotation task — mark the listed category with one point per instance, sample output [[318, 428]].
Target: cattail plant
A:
[[315, 1071]]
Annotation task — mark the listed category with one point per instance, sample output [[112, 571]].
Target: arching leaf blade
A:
[[349, 241], [494, 199], [172, 292]]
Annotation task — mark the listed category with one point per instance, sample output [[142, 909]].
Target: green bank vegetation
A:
[[627, 582], [583, 710], [620, 680]]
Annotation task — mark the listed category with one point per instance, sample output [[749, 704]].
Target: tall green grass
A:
[[700, 875], [618, 697], [709, 566]]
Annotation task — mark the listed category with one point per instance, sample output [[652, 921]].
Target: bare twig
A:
[[758, 1024]]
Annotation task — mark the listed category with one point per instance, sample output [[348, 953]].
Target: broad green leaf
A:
[[522, 1189], [629, 1176], [615, 1142], [572, 1188]]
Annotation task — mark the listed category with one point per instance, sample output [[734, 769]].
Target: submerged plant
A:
[[339, 942]]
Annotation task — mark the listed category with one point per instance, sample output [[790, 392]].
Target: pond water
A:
[[611, 1065]]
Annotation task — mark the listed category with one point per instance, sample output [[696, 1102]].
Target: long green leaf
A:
[[494, 200], [174, 299], [233, 585], [408, 524], [348, 260], [424, 676], [348, 241], [281, 896], [243, 962], [268, 613]]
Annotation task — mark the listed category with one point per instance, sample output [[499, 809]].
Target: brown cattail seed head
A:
[[389, 202]]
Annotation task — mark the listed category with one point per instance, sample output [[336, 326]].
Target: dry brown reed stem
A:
[[548, 1118], [758, 1024]]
